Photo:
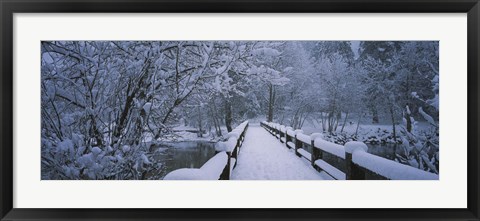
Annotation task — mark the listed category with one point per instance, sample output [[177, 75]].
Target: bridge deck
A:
[[262, 157]]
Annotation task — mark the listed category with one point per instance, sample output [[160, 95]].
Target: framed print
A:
[[239, 110]]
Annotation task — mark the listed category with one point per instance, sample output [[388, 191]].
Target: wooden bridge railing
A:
[[350, 162], [220, 166]]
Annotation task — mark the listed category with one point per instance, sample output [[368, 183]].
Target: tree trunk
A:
[[96, 133], [331, 121], [375, 119], [121, 122], [216, 119], [337, 119], [358, 124], [271, 103], [200, 123], [409, 120], [323, 122], [228, 115], [216, 125], [344, 122], [392, 114]]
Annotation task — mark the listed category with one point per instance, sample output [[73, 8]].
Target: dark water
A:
[[187, 154]]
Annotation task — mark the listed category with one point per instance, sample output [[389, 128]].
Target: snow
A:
[[211, 170], [335, 149], [355, 46], [266, 52], [183, 127], [231, 139], [232, 164], [125, 148], [353, 146], [262, 157], [147, 106], [368, 133], [287, 69], [291, 144], [65, 145], [434, 102], [86, 160], [214, 167], [242, 126], [232, 134], [291, 133], [179, 136], [316, 135], [427, 117], [298, 131], [331, 170], [390, 169], [227, 146], [415, 95], [304, 138], [145, 159], [305, 154], [188, 133], [238, 131], [96, 150], [185, 174], [326, 176]]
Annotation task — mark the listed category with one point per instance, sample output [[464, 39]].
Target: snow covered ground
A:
[[368, 133], [262, 157], [183, 133]]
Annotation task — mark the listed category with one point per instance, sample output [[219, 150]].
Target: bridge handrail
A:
[[211, 170], [219, 166], [351, 161]]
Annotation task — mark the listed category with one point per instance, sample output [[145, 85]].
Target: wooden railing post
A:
[[288, 138], [234, 153], [226, 171], [354, 172], [317, 153], [282, 134], [298, 144]]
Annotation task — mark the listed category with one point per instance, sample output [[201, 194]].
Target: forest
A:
[[105, 105]]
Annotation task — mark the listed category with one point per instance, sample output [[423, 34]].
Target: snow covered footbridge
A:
[[271, 151]]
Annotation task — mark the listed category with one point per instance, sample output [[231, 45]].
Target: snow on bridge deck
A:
[[263, 157]]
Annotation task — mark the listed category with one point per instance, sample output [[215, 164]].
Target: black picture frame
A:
[[9, 7]]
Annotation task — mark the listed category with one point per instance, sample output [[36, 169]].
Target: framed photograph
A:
[[261, 110]]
